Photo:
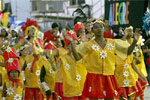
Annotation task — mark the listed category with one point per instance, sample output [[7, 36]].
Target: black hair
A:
[[6, 33], [54, 25]]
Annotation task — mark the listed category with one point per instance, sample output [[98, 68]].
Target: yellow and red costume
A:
[[126, 76], [70, 83], [59, 74], [100, 64], [141, 67], [14, 87], [32, 74]]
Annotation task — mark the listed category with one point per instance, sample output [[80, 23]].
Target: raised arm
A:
[[136, 37], [146, 51], [74, 51]]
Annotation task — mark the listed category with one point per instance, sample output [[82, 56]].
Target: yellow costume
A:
[[13, 93], [124, 73], [50, 75], [33, 78], [59, 74], [74, 74], [100, 64]]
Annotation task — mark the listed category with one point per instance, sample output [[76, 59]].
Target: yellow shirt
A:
[[74, 75], [102, 61], [59, 74], [50, 75], [13, 93], [33, 78], [124, 73]]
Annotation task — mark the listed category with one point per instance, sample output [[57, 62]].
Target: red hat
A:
[[50, 46], [78, 26], [72, 35], [10, 53], [29, 23], [12, 64]]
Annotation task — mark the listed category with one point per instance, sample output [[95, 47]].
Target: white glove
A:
[[24, 77], [45, 86], [3, 98]]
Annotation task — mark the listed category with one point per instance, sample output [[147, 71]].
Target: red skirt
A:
[[141, 87], [59, 91], [99, 86], [128, 91]]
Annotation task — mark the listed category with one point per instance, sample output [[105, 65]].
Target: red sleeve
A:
[[48, 36], [45, 36]]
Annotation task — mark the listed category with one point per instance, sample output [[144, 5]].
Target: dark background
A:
[[136, 10]]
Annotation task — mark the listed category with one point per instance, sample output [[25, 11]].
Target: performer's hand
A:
[[137, 34], [143, 78]]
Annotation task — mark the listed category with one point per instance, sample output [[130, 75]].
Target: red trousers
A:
[[31, 93]]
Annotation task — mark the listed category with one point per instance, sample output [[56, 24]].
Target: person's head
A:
[[129, 32], [14, 33], [88, 26], [4, 32], [81, 32], [106, 23], [55, 28], [79, 28], [98, 28], [71, 34], [64, 31], [24, 50], [32, 31], [13, 68], [14, 74]]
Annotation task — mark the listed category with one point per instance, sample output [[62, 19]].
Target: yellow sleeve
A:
[[50, 75], [121, 48], [83, 48]]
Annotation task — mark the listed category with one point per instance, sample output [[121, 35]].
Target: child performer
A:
[[13, 86]]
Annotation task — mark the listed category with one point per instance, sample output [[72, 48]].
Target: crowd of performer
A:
[[83, 63]]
